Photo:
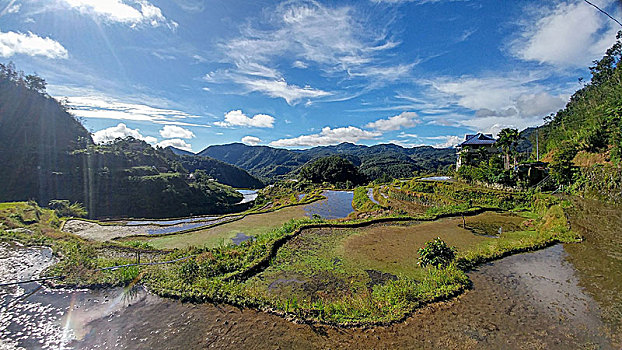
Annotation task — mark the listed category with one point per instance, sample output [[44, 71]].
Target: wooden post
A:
[[463, 221]]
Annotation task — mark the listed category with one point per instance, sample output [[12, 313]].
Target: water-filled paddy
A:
[[337, 205], [436, 178], [170, 222], [342, 261], [97, 232], [249, 195], [561, 297]]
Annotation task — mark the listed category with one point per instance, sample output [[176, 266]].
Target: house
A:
[[474, 147]]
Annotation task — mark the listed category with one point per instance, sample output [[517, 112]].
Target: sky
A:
[[302, 73]]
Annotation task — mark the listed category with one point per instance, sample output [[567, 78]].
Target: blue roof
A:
[[478, 139]]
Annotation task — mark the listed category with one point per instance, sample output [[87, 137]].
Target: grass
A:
[[347, 273], [251, 225]]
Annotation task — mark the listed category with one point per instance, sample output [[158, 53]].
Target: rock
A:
[[21, 230]]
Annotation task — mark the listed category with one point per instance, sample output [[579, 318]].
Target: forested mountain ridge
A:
[[591, 121], [47, 154], [270, 163], [220, 171]]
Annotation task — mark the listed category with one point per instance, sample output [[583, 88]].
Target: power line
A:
[[603, 11]]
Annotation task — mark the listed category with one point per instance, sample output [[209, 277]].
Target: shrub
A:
[[63, 207], [436, 253]]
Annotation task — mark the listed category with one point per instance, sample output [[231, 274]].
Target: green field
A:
[[328, 264], [251, 225]]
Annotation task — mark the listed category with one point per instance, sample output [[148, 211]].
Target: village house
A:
[[474, 147]]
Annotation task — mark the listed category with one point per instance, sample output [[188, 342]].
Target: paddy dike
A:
[[211, 231], [565, 296]]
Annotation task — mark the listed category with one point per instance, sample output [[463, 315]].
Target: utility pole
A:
[[537, 146]]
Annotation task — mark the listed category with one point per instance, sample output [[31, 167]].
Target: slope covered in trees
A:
[[591, 121], [46, 154], [222, 172]]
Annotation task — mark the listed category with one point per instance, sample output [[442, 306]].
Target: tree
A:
[[562, 168], [333, 169], [35, 83], [508, 139]]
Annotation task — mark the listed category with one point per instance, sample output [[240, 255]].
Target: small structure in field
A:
[[475, 147]]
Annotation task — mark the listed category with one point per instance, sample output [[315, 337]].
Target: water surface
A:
[[337, 205]]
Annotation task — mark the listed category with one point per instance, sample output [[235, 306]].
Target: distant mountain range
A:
[[270, 164]]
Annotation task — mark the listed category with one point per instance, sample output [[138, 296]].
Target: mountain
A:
[[266, 163], [270, 164], [47, 154], [179, 152], [220, 171]]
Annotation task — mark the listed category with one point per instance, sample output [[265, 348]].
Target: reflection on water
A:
[[170, 222], [241, 237], [50, 318], [370, 194], [562, 297], [249, 196], [337, 205], [436, 178]]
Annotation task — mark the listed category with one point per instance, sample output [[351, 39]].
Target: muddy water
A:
[[553, 298]]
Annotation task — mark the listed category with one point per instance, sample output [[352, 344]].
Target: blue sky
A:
[[193, 73]]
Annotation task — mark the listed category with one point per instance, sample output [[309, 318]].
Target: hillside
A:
[[270, 163], [583, 141], [47, 154], [222, 172], [591, 121]]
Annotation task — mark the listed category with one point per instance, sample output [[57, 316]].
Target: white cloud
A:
[[120, 131], [305, 33], [281, 89], [419, 2], [130, 12], [11, 8], [103, 107], [237, 118], [403, 120], [177, 143], [251, 140], [539, 105], [12, 43], [447, 141], [172, 132], [328, 136], [513, 97], [569, 35]]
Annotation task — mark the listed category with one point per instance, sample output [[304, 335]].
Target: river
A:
[[565, 296]]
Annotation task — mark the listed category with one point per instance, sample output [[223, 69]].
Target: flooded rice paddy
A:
[[436, 178], [249, 196], [337, 205], [97, 232], [370, 195], [563, 297]]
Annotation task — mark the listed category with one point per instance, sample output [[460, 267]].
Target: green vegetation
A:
[[379, 161], [48, 155], [588, 132], [64, 208], [220, 171], [353, 272], [436, 253], [361, 201], [332, 170]]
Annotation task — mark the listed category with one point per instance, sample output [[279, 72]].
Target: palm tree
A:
[[508, 138]]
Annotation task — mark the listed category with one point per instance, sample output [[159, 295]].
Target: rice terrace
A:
[[310, 174]]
